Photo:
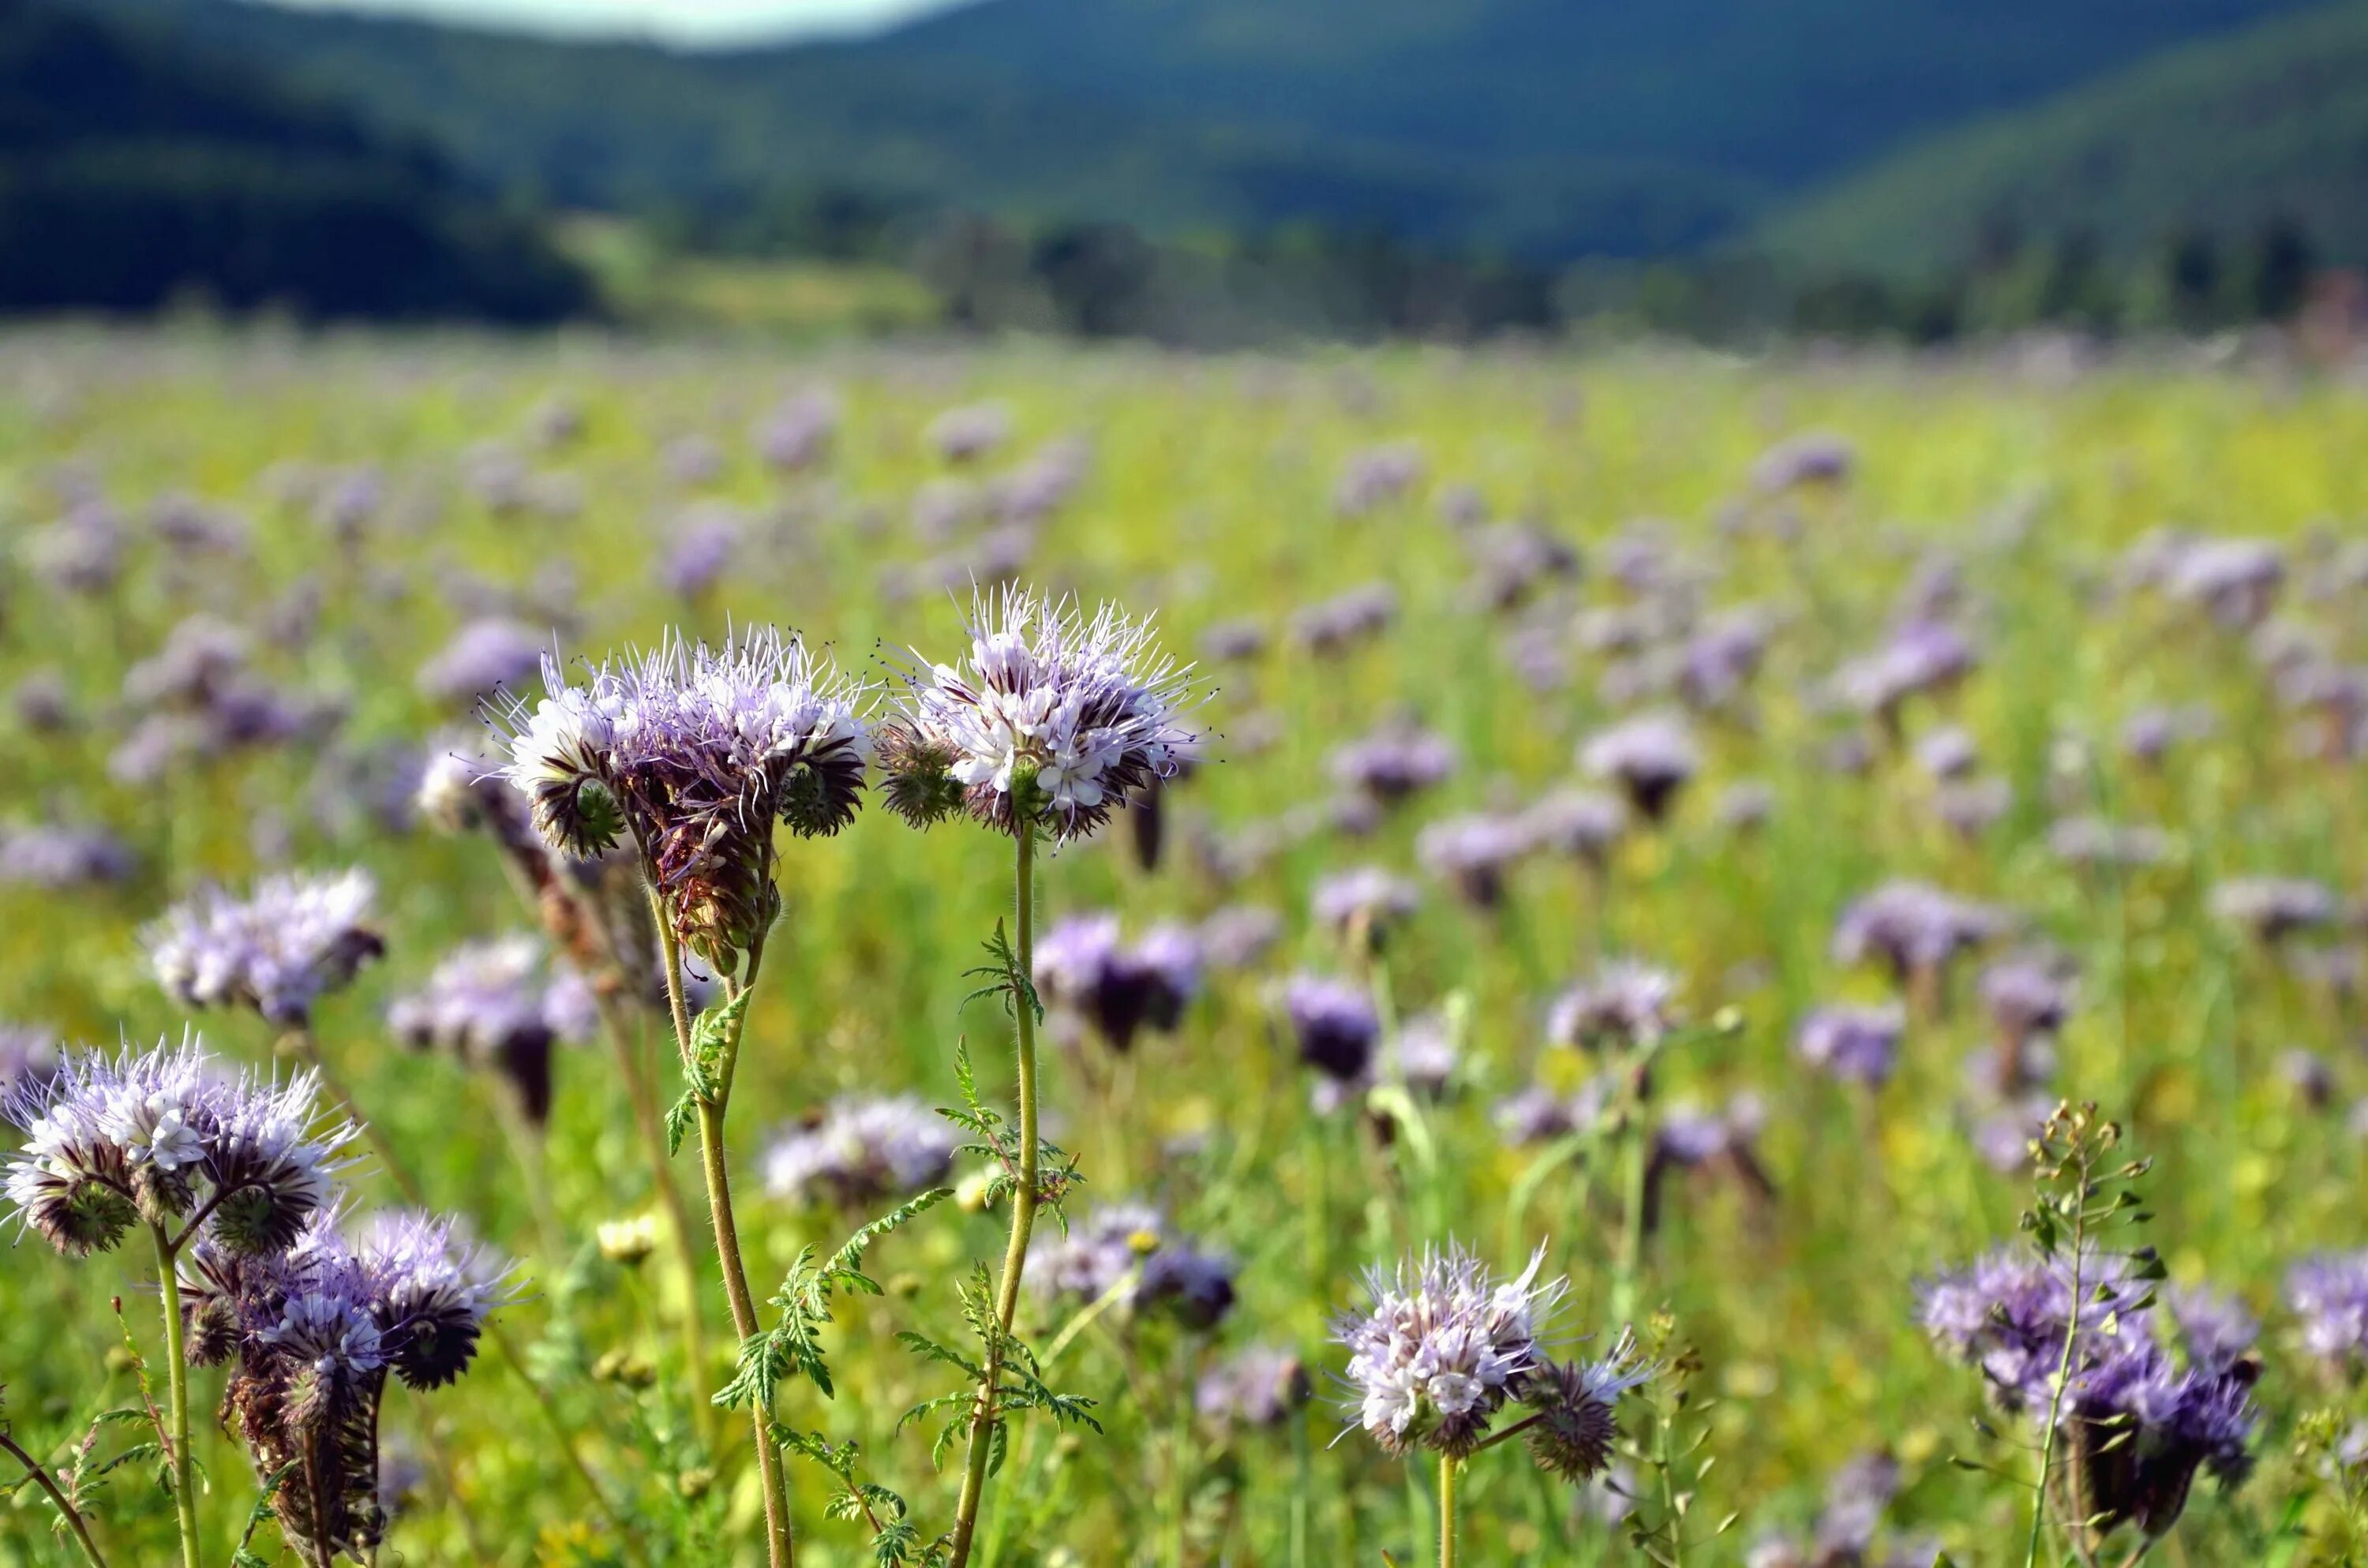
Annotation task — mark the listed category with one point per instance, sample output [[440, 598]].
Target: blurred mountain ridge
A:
[[1541, 129]]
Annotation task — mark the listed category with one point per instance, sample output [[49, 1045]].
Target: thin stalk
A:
[[307, 1044], [1447, 1511], [558, 1428], [1023, 1202], [2055, 1398], [176, 1396], [1632, 1236], [780, 1550], [685, 1245], [66, 1510]]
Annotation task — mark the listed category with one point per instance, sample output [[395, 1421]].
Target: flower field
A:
[[1597, 959]]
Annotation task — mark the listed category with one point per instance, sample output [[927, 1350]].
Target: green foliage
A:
[[794, 1344], [2226, 140], [1547, 128]]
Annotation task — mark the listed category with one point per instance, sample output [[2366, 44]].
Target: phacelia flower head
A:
[[1133, 1249], [1625, 1003], [1913, 928], [1586, 823], [489, 654], [1441, 1347], [2028, 994], [692, 753], [163, 1135], [1854, 1044], [429, 1291], [1474, 853], [1364, 902], [1650, 757], [1334, 1024], [1083, 963], [294, 940], [495, 1005], [1574, 1404], [1394, 763], [1921, 656], [2275, 908], [2329, 1295], [1053, 719], [859, 1150], [1260, 1386], [1332, 626], [55, 856]]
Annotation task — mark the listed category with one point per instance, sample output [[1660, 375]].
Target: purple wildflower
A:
[[1624, 1003], [860, 1150], [968, 434], [1441, 1347], [55, 856], [1393, 764], [490, 1004], [1335, 1026], [691, 754], [1081, 962], [164, 1135], [1238, 935], [294, 940], [2329, 1294], [2275, 908], [1474, 853], [1052, 716], [1913, 928], [1258, 1386], [483, 657], [1650, 757], [1811, 459], [1584, 824], [1334, 625], [1856, 1045]]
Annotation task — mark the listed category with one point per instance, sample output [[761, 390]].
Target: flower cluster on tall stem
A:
[[1444, 1347], [690, 755], [1051, 723], [233, 1178]]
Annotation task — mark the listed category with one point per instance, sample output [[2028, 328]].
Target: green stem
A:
[[176, 1395], [780, 1552], [2055, 1399], [1023, 1204], [1632, 1236], [685, 1247], [1447, 1466], [66, 1510]]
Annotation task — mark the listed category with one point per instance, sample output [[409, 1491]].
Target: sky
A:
[[677, 21]]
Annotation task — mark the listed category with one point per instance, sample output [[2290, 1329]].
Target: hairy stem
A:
[[2062, 1376], [176, 1396], [685, 1240], [1447, 1511], [1023, 1202], [780, 1550], [66, 1510]]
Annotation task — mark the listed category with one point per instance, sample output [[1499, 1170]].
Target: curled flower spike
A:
[[291, 941], [160, 1135], [1052, 718], [1573, 1404], [692, 753], [429, 1292], [1442, 1346]]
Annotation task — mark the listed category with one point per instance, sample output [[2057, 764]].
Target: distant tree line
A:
[[1106, 281], [129, 180]]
